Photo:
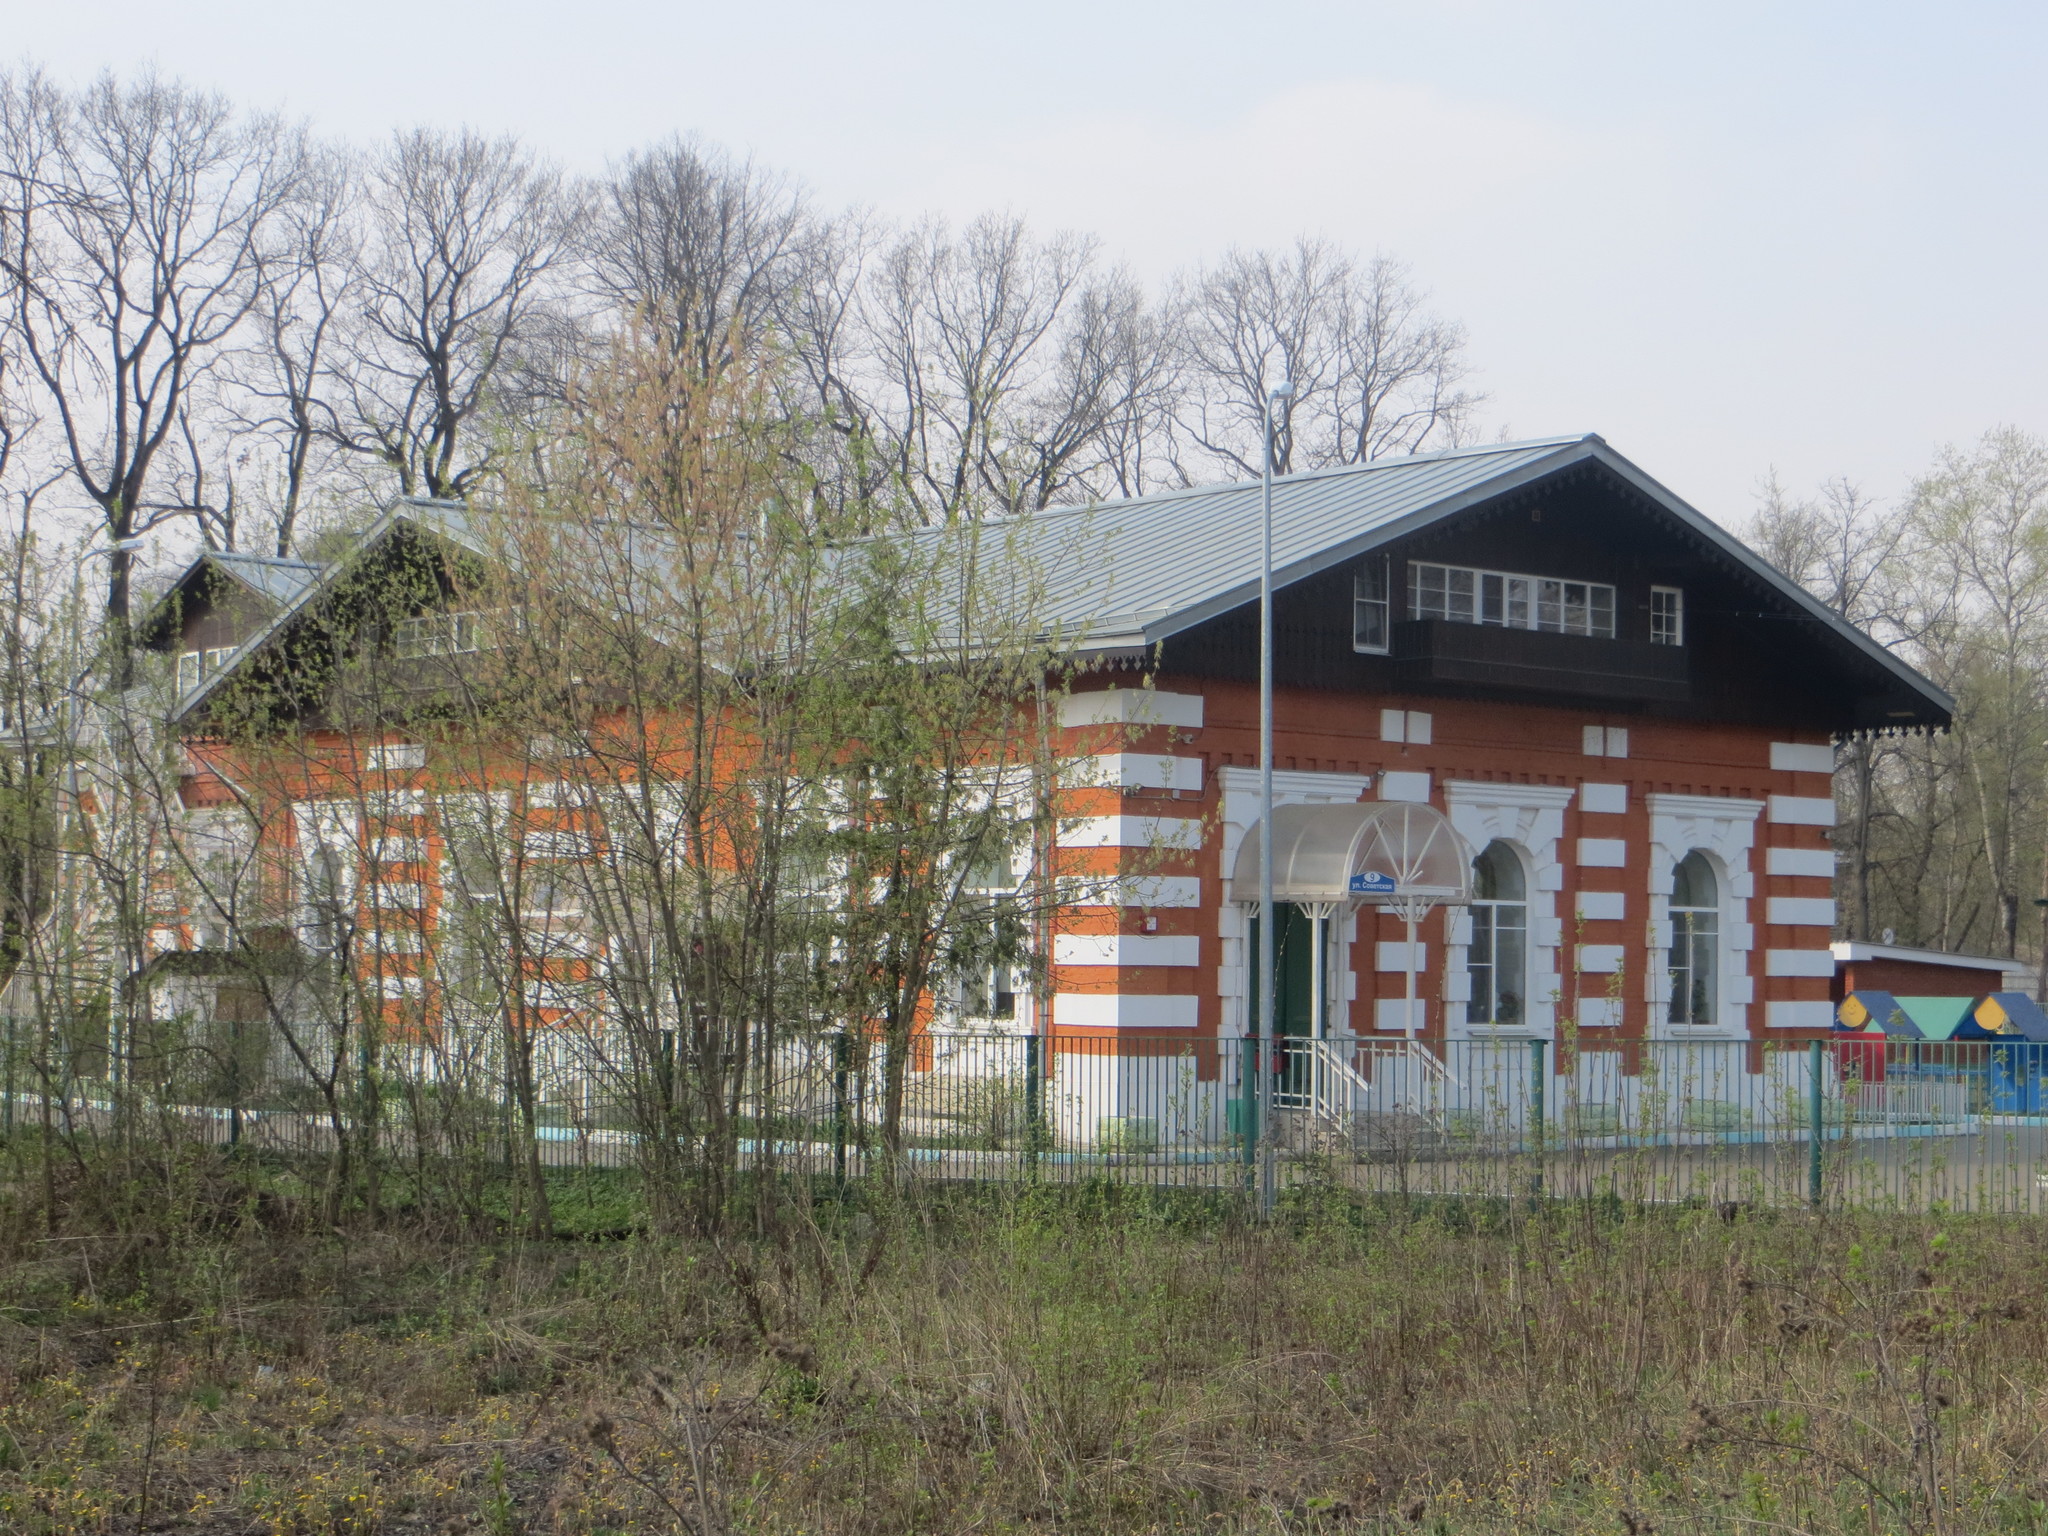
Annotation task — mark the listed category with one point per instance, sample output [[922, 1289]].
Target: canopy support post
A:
[[1319, 914]]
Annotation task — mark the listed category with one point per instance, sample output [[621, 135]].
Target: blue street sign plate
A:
[[1372, 883]]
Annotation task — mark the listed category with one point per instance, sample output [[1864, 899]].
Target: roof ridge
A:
[[1331, 471], [242, 554]]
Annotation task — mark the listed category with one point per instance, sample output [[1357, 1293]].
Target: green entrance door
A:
[[1294, 982]]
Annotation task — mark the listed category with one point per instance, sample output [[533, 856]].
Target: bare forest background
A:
[[219, 329]]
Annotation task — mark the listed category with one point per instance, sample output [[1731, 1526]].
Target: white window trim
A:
[[1479, 573], [1530, 819], [1679, 608], [1724, 830], [1384, 602], [1239, 788]]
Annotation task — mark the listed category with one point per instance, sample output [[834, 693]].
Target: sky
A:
[[1730, 238]]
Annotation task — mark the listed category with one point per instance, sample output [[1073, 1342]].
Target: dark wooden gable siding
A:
[[1750, 656]]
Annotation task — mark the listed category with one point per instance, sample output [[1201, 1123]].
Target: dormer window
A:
[[1464, 595], [194, 667]]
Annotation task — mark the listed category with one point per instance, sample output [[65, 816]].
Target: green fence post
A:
[[1034, 1100], [842, 1052], [1248, 1088], [1536, 1089], [1816, 1123]]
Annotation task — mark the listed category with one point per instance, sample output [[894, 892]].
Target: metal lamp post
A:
[[1269, 944]]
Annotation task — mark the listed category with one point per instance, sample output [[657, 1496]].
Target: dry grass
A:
[[1034, 1366]]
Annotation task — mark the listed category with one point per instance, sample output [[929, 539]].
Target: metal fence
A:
[[1848, 1122]]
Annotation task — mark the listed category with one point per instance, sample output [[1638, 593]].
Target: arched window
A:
[[1498, 959], [1695, 941]]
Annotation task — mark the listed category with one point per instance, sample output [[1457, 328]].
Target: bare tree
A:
[[1374, 374], [709, 247], [1842, 548], [1001, 367], [133, 218], [464, 241], [278, 401]]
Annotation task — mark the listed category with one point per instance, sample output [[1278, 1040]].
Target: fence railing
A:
[[1842, 1122]]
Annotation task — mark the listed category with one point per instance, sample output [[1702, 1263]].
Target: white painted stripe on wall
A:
[[1131, 706], [1599, 1013], [1602, 852], [1143, 891], [1392, 955], [1126, 949], [1602, 906], [1604, 799], [1600, 959], [1118, 1010], [1820, 1015], [1132, 832], [1143, 770], [1799, 962], [1818, 862], [1802, 757], [1817, 911], [1802, 810]]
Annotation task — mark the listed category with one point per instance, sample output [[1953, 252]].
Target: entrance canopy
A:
[[1386, 851]]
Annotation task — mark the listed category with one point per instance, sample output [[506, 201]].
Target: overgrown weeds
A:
[[1058, 1360]]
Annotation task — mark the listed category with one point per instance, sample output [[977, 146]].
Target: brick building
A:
[[1625, 713]]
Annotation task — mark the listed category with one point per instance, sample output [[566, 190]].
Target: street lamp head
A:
[[1284, 390]]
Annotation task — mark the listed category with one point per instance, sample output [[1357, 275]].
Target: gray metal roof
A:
[[268, 576], [1125, 575], [1130, 573]]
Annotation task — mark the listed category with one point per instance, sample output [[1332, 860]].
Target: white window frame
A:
[[1724, 830], [1372, 612], [394, 757], [459, 632], [1667, 622], [1493, 907], [1529, 818], [195, 666], [1677, 917], [1510, 600]]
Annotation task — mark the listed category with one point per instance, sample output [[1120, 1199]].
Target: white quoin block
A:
[[1126, 949], [1802, 757], [1178, 832], [1808, 1015], [1138, 891], [1799, 962], [1802, 810], [1603, 852], [1144, 770], [1117, 1010], [1814, 862], [1602, 906], [1816, 911], [1132, 706]]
